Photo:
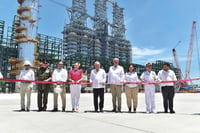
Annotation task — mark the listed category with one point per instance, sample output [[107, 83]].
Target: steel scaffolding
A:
[[77, 38], [96, 43], [121, 46], [2, 23], [49, 48]]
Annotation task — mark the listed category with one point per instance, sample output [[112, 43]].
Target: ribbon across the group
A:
[[85, 82]]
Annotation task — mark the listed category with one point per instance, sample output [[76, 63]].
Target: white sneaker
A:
[[154, 112], [77, 109], [148, 112]]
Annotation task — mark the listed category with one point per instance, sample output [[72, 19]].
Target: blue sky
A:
[[154, 27]]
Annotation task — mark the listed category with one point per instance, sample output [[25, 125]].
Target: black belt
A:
[[168, 86]]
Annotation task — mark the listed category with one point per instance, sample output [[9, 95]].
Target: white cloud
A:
[[143, 55], [141, 52], [171, 59]]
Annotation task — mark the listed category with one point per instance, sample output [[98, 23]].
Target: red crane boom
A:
[[177, 64], [190, 50]]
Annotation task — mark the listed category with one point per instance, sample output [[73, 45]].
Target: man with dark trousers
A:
[[167, 88], [98, 76], [44, 74]]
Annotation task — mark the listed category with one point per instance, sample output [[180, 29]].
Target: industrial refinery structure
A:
[[79, 44], [86, 45]]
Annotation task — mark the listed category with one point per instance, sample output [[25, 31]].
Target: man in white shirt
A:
[[97, 77], [59, 75], [1, 76], [149, 76], [26, 87], [115, 78], [167, 88]]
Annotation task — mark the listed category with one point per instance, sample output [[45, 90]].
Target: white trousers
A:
[[75, 90], [25, 90], [150, 97]]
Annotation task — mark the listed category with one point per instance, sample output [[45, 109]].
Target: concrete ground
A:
[[186, 119]]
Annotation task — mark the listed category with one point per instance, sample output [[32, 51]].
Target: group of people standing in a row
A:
[[59, 75], [116, 77], [98, 77]]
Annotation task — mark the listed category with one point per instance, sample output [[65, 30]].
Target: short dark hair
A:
[[129, 66], [167, 64]]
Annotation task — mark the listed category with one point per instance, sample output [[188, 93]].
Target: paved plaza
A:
[[186, 119]]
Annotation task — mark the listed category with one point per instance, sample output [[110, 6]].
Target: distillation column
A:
[[26, 36], [122, 46], [101, 28]]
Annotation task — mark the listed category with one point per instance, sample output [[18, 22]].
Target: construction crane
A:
[[190, 50], [189, 58], [180, 76]]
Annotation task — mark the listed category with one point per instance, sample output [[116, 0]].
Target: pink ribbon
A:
[[87, 83]]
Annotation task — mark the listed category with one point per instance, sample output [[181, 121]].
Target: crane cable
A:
[[62, 5], [58, 3]]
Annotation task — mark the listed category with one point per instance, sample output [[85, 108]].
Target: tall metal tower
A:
[[118, 22], [76, 41], [78, 13], [122, 47], [100, 15], [2, 23], [26, 34], [101, 28]]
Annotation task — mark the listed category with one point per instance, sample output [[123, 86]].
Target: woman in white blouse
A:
[[131, 89], [1, 76]]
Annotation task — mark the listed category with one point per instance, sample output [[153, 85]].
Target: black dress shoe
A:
[[44, 109], [114, 110], [27, 110], [101, 110], [165, 111], [55, 110], [40, 109], [172, 111], [129, 110], [96, 111], [134, 110], [63, 110], [119, 111], [22, 110]]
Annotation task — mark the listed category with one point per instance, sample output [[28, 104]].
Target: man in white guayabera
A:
[[115, 78], [98, 76], [26, 87], [59, 75]]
